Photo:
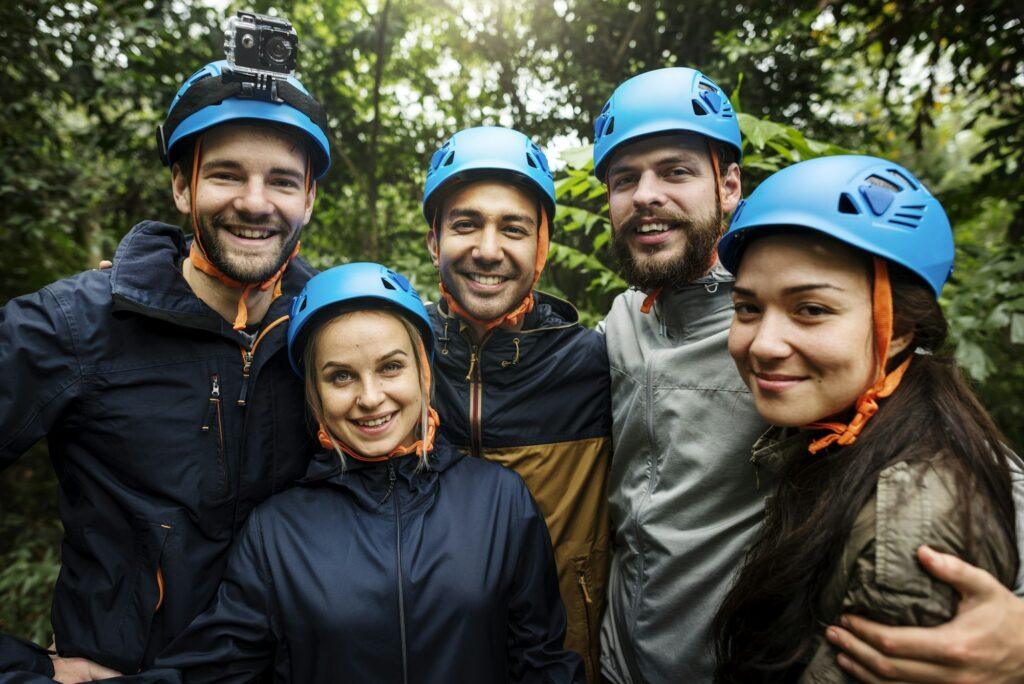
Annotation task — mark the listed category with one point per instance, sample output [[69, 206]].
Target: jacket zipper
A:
[[247, 357], [214, 411], [398, 556], [581, 580]]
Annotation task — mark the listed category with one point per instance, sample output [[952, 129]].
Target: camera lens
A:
[[278, 50]]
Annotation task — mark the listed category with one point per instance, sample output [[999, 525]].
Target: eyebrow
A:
[[668, 159], [474, 214], [235, 166], [795, 289], [339, 364]]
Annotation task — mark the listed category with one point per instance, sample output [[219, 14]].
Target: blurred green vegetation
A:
[[936, 86]]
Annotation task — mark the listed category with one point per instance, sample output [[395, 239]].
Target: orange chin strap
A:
[[424, 444], [653, 295], [197, 254], [516, 316], [885, 384]]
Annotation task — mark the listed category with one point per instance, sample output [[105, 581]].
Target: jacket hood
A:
[[147, 278]]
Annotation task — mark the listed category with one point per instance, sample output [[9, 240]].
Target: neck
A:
[[224, 299]]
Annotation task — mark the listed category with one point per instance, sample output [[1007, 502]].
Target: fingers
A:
[[105, 264], [966, 579], [868, 664], [918, 643]]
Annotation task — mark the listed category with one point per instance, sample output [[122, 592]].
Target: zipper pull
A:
[[583, 586], [472, 365], [391, 481], [246, 365], [211, 404]]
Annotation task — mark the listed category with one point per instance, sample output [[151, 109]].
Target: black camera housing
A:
[[259, 44]]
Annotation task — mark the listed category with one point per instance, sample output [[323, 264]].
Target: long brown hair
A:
[[766, 626]]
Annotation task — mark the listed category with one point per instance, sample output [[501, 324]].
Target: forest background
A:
[[935, 85]]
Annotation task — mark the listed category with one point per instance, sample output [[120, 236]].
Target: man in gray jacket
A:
[[684, 499]]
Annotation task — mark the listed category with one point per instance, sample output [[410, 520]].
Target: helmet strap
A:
[[516, 315], [197, 253], [884, 385], [652, 296], [429, 430]]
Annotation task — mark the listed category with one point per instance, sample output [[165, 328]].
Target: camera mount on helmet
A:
[[258, 77]]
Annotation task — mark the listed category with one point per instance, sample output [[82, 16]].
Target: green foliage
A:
[[933, 86]]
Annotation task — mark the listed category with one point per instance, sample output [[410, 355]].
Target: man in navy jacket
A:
[[162, 384]]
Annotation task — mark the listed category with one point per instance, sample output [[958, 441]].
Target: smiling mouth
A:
[[251, 233], [659, 227], [486, 279], [373, 422]]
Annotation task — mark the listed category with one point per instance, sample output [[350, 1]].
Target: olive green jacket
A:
[[879, 576]]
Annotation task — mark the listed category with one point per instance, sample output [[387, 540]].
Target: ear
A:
[[310, 198], [732, 189], [433, 247], [899, 344], [180, 189]]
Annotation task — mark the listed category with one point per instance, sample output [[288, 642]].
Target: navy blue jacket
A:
[[386, 573], [165, 427]]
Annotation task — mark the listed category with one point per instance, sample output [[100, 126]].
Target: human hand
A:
[[984, 642], [105, 264], [73, 670]]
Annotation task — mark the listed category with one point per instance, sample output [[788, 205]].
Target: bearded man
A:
[[162, 384]]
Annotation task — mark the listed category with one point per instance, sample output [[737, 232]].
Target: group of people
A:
[[746, 473]]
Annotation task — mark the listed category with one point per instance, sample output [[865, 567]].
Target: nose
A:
[[488, 247], [253, 199], [648, 192], [371, 396], [770, 341]]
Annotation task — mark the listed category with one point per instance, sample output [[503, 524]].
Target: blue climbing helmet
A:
[[868, 203], [353, 287], [473, 153], [672, 100], [210, 97]]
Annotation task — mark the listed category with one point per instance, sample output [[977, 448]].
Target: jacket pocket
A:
[[586, 608], [146, 597]]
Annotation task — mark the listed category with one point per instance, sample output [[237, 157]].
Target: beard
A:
[[640, 266], [239, 267]]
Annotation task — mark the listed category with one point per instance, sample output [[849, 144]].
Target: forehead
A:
[[253, 144], [491, 196], [361, 333], [793, 259], [649, 151]]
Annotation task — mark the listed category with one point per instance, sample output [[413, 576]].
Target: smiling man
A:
[[683, 497], [519, 380], [162, 384]]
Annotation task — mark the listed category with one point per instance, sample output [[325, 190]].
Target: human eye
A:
[[286, 183], [813, 310], [463, 226], [340, 377], [678, 172], [392, 368], [623, 180], [516, 231], [745, 309]]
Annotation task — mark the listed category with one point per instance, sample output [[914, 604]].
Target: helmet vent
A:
[[449, 159], [698, 108], [884, 183], [908, 181], [610, 127], [846, 204], [302, 303], [908, 215], [530, 161], [388, 284]]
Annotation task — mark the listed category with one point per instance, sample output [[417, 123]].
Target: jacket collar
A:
[[777, 446], [325, 466], [692, 308], [147, 279]]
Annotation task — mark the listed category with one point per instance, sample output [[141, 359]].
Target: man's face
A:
[[250, 199], [666, 219], [487, 250]]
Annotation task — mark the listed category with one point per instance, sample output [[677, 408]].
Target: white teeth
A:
[[375, 422], [485, 280], [251, 234], [653, 228]]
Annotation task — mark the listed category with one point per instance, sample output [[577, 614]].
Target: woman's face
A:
[[368, 381], [802, 332]]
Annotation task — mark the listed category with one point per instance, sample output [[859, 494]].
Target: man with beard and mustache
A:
[[518, 379], [685, 501], [683, 497], [162, 384]]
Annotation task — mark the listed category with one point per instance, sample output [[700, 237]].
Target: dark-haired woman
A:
[[880, 446]]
